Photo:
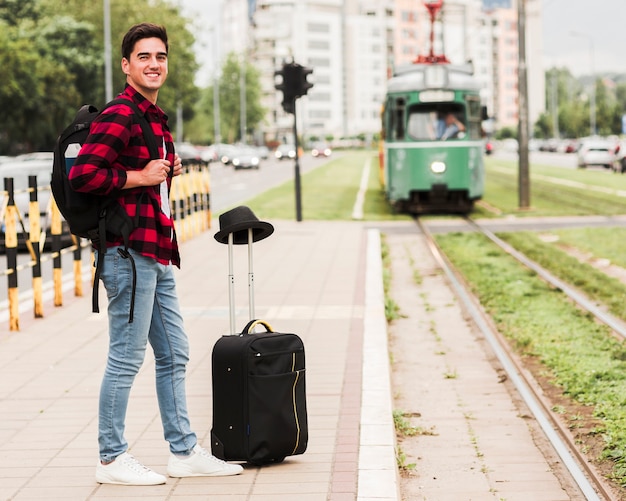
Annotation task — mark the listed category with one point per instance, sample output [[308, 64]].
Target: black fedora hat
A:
[[238, 221]]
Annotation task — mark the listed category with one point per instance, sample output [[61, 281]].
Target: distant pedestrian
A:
[[115, 159]]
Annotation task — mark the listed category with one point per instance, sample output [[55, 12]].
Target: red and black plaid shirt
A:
[[116, 145]]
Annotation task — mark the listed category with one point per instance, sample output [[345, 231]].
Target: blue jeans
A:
[[158, 320]]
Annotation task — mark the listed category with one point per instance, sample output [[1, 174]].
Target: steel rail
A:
[[586, 478], [609, 320]]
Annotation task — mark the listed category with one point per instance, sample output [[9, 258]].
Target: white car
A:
[[596, 152], [285, 151], [245, 157], [321, 150]]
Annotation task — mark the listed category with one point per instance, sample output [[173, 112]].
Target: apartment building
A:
[[353, 46]]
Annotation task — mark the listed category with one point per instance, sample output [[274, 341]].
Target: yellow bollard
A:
[[10, 234], [78, 267], [176, 213], [187, 203], [34, 237], [196, 198], [206, 196], [57, 273]]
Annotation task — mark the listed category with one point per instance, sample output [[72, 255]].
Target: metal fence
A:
[[191, 210]]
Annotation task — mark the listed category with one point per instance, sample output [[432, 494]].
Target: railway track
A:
[[592, 484]]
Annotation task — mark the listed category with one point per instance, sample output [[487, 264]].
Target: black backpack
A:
[[88, 215]]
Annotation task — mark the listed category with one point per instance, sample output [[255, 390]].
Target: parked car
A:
[[285, 151], [225, 153], [35, 155], [189, 154], [321, 150], [263, 151], [20, 172], [208, 154], [550, 145], [246, 157], [596, 152]]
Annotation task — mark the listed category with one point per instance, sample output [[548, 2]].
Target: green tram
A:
[[432, 147]]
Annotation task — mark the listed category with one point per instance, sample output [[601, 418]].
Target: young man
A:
[[115, 161]]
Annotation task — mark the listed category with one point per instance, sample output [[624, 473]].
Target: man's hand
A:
[[155, 172], [178, 165]]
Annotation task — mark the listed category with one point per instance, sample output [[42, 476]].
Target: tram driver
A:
[[434, 125], [449, 127]]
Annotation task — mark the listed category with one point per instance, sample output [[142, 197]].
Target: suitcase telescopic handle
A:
[[253, 323]]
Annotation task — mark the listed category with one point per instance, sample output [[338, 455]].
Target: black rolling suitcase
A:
[[259, 392]]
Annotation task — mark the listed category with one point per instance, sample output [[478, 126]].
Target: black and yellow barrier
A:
[[190, 203], [10, 244], [35, 246]]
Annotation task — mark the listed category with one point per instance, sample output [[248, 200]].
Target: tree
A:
[[52, 55], [14, 12], [182, 63], [73, 45], [543, 126], [202, 128], [30, 94]]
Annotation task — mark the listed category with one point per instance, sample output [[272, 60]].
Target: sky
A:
[[205, 14], [578, 34], [600, 40]]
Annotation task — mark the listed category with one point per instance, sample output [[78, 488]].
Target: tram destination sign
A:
[[436, 95]]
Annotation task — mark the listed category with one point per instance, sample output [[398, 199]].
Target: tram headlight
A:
[[438, 167]]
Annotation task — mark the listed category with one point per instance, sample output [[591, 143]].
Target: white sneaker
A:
[[200, 464], [126, 470]]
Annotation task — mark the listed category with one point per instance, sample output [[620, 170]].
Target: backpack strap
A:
[[149, 137], [108, 215], [148, 133]]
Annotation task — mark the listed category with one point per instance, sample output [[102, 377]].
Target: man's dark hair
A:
[[139, 32]]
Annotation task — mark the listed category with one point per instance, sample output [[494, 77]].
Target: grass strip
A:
[[329, 192], [551, 191], [581, 356], [596, 284]]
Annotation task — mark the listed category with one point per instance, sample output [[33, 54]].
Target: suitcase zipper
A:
[[274, 353], [295, 408]]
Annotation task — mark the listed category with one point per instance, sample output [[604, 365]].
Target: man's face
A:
[[146, 70]]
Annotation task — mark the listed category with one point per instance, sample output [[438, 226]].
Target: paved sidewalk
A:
[[321, 280]]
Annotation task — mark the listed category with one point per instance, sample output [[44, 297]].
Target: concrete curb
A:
[[378, 473]]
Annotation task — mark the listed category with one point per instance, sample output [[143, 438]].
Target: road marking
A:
[[357, 210]]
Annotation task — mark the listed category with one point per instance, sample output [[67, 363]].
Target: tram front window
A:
[[435, 124]]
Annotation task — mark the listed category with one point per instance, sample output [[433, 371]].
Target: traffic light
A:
[[305, 85], [290, 81], [293, 84]]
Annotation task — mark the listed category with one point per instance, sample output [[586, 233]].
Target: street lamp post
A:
[[108, 72], [217, 135], [242, 98], [592, 97], [554, 100], [522, 128]]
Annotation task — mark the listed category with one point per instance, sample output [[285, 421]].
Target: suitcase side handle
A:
[[253, 323]]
